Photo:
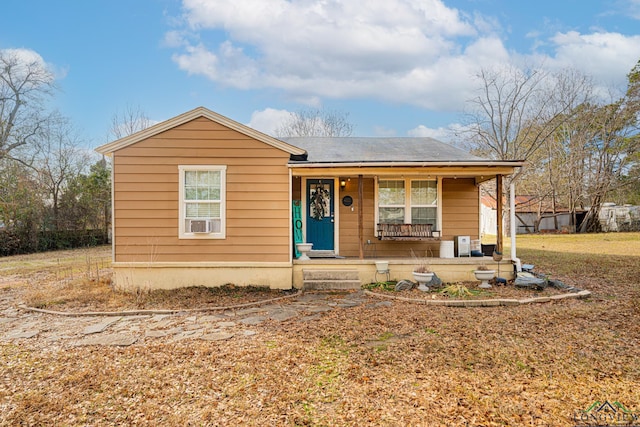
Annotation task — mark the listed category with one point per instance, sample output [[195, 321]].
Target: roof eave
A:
[[109, 148], [490, 163]]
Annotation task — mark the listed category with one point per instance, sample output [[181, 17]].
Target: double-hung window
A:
[[202, 201], [391, 201], [424, 202], [408, 201]]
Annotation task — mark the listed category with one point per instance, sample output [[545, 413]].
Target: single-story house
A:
[[202, 200]]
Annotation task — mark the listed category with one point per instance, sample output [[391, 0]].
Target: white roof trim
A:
[[109, 148]]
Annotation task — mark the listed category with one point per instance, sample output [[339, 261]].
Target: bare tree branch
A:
[[24, 84], [131, 120], [316, 122]]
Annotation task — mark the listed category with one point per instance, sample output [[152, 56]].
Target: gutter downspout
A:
[[512, 221]]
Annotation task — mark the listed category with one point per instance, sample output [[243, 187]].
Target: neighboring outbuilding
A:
[[532, 216], [619, 218]]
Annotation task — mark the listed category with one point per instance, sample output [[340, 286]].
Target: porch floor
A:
[[450, 270], [404, 260]]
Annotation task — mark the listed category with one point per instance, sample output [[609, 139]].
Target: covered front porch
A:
[[399, 200], [351, 233], [389, 213]]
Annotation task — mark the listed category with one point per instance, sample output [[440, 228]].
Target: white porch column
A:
[[512, 221]]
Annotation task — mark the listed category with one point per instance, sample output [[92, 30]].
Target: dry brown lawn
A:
[[407, 364]]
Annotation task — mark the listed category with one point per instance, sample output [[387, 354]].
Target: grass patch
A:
[[623, 244], [80, 280], [89, 295], [384, 286], [458, 290]]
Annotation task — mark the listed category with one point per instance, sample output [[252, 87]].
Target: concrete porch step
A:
[[330, 279]]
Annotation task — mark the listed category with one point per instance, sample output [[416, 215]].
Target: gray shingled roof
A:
[[360, 149]]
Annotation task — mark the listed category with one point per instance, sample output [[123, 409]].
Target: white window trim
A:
[[403, 205], [407, 196], [182, 233], [407, 215]]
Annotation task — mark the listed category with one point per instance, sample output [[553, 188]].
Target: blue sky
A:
[[398, 67]]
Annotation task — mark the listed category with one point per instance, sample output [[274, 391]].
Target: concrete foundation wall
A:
[[131, 277], [134, 276]]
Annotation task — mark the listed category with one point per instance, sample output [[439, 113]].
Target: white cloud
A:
[[174, 39], [35, 62], [423, 131], [452, 133], [418, 52], [389, 49], [198, 60], [25, 56], [268, 120], [608, 57], [441, 134]]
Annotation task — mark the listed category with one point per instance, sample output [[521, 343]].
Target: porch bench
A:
[[406, 232]]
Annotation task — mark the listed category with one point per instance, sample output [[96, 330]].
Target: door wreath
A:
[[319, 203]]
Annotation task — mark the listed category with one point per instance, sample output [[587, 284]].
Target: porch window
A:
[[424, 202], [419, 205], [202, 202], [391, 201]]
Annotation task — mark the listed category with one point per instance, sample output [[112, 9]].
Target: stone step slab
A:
[[330, 279], [342, 285], [308, 274]]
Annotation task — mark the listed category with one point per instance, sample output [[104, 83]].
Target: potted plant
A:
[[483, 274], [422, 272], [423, 275], [304, 249]]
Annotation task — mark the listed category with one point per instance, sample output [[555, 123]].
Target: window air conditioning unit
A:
[[200, 226]]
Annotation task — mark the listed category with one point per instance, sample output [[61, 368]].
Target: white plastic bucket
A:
[[446, 249]]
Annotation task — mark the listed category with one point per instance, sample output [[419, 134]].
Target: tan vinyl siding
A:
[[158, 161], [147, 197], [460, 208], [192, 152], [348, 232], [460, 216]]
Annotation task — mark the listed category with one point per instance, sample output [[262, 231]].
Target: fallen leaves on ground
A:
[[403, 364]]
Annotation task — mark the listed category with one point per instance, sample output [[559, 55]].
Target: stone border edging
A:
[[484, 302], [446, 303], [148, 312]]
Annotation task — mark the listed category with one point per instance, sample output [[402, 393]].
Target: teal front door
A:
[[320, 214]]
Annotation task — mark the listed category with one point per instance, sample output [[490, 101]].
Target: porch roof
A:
[[387, 156], [382, 151]]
